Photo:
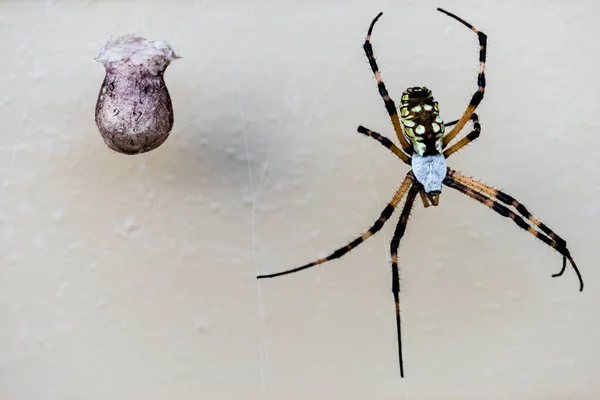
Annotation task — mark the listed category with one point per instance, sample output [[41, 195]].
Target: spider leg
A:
[[390, 106], [478, 95], [424, 198], [508, 200], [398, 234], [493, 198], [521, 209], [447, 124], [386, 142], [474, 134], [385, 215]]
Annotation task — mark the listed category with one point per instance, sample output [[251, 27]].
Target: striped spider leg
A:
[[409, 184], [478, 95], [501, 202], [424, 146], [390, 106], [394, 244], [385, 215]]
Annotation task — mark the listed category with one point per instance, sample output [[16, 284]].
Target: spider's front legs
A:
[[493, 198], [478, 95], [390, 106], [398, 234], [385, 215]]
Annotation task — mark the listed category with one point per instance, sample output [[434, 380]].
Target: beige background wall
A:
[[133, 277]]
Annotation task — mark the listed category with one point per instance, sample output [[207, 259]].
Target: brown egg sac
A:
[[134, 112]]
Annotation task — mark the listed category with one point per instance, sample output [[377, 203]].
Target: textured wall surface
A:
[[133, 277]]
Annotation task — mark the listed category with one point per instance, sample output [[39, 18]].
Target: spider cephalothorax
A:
[[421, 120], [425, 147]]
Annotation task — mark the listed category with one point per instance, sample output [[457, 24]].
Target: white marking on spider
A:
[[438, 146], [430, 171], [420, 129]]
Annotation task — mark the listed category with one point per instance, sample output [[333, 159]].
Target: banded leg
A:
[[386, 142], [398, 234], [509, 201], [390, 106], [385, 215], [474, 134], [478, 95], [459, 182], [521, 209]]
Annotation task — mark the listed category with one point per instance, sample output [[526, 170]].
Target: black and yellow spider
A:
[[425, 149]]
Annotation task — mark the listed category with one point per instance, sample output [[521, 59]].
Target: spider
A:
[[425, 147]]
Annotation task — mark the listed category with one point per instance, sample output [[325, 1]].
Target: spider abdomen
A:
[[421, 120]]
